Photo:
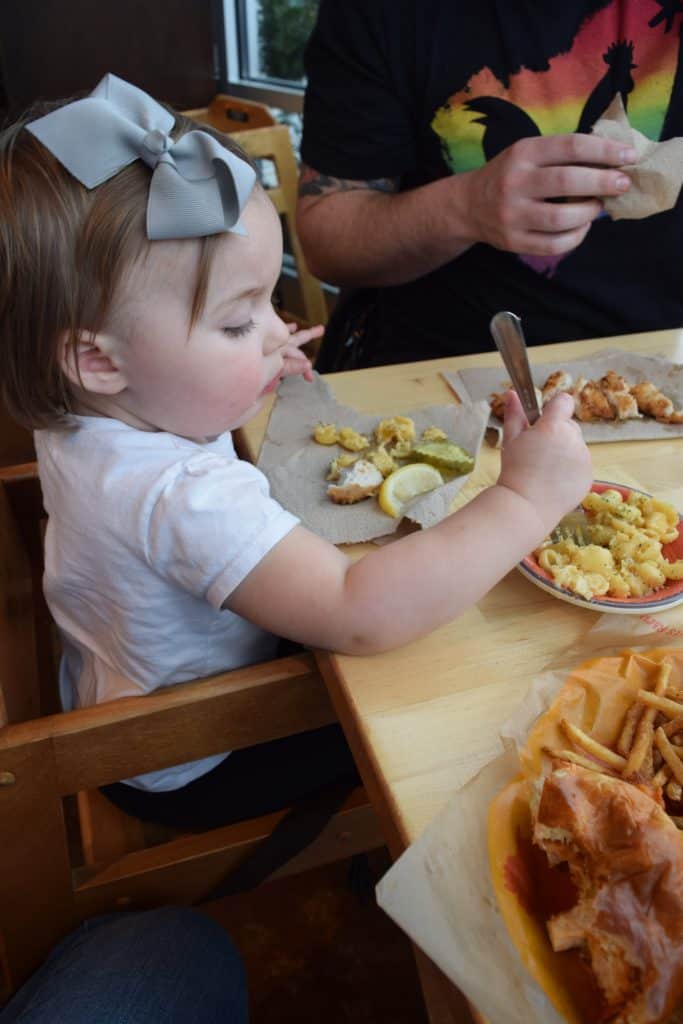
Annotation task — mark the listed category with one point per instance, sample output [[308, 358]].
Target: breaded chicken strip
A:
[[652, 402], [617, 392]]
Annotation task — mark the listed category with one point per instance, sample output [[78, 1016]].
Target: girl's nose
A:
[[278, 335]]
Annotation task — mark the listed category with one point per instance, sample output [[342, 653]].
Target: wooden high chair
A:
[[64, 860], [256, 130], [274, 144], [16, 443], [232, 114]]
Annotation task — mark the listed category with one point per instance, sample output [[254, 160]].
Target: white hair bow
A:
[[198, 187]]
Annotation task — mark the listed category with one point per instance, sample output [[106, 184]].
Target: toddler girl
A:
[[137, 332]]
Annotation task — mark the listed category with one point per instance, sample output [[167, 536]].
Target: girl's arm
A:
[[307, 590]]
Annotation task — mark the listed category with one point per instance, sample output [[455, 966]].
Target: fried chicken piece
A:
[[618, 393], [590, 403], [653, 403], [362, 480], [558, 381], [497, 403]]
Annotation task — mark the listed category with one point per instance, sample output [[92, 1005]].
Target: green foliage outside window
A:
[[285, 26]]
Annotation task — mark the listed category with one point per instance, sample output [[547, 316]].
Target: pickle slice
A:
[[443, 455]]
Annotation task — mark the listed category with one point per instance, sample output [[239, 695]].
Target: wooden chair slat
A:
[[140, 734], [37, 898], [187, 869], [19, 694]]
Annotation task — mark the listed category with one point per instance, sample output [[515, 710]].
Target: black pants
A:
[[250, 782]]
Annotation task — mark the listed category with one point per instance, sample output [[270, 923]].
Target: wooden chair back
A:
[[274, 143], [59, 867], [16, 442], [232, 114]]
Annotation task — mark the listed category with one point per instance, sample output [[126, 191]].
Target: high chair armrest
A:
[[21, 471], [98, 745]]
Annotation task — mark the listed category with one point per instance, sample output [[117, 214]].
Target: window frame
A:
[[232, 34]]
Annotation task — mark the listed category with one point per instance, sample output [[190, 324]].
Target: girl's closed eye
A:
[[241, 330]]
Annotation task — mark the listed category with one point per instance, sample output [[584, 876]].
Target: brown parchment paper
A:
[[656, 175], [440, 892], [477, 384], [296, 466]]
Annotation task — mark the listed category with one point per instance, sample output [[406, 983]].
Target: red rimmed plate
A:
[[667, 596]]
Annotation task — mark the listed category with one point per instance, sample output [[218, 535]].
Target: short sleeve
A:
[[358, 120], [211, 523]]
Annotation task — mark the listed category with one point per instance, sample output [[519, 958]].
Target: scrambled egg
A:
[[434, 434], [352, 440], [395, 430], [325, 433]]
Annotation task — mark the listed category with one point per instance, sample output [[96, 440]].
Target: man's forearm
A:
[[367, 236]]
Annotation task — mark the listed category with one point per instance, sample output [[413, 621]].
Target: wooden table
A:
[[423, 718]]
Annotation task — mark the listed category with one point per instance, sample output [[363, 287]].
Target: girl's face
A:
[[216, 378]]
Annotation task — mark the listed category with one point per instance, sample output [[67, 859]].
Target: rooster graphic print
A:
[[633, 51]]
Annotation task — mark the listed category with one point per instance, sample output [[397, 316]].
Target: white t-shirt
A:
[[147, 535]]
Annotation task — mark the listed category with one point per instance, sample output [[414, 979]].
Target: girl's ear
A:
[[92, 364]]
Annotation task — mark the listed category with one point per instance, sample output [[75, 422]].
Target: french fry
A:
[[662, 776], [628, 729], [663, 677], [671, 708], [674, 726], [592, 747], [670, 756], [583, 762], [638, 760]]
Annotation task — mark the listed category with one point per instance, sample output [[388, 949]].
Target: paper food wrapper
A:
[[478, 383], [296, 466], [440, 890], [656, 175]]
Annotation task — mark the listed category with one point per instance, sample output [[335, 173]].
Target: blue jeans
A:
[[173, 965]]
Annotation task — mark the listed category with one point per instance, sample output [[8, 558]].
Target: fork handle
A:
[[506, 329]]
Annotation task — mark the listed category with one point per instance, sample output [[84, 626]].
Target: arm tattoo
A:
[[313, 183]]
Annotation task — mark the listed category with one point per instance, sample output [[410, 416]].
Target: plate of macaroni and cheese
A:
[[621, 552]]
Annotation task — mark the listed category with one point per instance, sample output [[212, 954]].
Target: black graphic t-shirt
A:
[[420, 89]]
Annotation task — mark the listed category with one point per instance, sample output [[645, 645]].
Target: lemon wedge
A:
[[407, 483]]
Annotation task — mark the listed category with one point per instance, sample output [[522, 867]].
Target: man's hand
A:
[[505, 201]]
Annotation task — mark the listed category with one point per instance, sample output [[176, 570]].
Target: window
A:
[[264, 43]]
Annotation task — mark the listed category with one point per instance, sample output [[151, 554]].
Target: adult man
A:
[[447, 162]]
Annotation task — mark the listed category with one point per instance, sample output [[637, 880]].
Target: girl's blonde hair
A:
[[64, 249]]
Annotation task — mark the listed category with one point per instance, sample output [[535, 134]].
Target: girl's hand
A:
[[549, 463], [295, 362]]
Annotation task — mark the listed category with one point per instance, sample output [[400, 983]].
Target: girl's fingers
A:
[[514, 421], [561, 407], [308, 334], [296, 362]]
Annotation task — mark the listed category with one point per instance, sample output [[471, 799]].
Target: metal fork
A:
[[506, 329], [574, 526]]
